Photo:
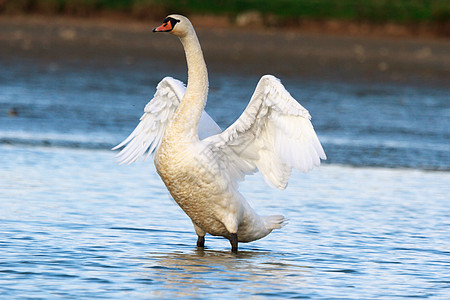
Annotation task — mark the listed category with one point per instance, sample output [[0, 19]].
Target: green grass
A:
[[355, 10], [377, 11]]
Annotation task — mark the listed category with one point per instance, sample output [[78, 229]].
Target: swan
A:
[[201, 165]]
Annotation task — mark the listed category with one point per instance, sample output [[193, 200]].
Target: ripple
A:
[[346, 271], [113, 232]]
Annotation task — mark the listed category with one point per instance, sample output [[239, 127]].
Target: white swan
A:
[[201, 166]]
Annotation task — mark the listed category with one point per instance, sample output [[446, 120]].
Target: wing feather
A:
[[274, 134], [145, 139]]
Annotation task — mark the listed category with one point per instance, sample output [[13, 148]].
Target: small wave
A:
[[56, 140], [56, 143], [343, 151], [386, 143]]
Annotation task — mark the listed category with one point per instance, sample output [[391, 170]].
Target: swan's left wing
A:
[[274, 134], [147, 136]]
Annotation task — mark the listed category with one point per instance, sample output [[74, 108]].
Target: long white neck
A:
[[189, 111]]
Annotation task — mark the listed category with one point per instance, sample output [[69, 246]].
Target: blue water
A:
[[358, 124], [75, 225], [371, 223]]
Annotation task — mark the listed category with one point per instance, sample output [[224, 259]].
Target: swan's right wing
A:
[[147, 135]]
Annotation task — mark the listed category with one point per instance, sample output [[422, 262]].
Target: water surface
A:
[[371, 223], [75, 225]]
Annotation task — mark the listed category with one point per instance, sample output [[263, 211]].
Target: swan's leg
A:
[[231, 224], [201, 241], [234, 242], [201, 236]]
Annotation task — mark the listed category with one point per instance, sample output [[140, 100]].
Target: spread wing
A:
[[274, 134], [146, 137]]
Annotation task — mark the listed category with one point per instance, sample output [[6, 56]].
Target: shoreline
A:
[[332, 27], [309, 55]]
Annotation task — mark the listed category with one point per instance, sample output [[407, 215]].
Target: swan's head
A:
[[175, 24]]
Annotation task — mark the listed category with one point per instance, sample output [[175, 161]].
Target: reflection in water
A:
[[188, 274]]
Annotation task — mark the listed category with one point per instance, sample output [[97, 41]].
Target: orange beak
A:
[[163, 28]]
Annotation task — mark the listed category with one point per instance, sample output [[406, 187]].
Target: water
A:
[[371, 223], [358, 124], [75, 225]]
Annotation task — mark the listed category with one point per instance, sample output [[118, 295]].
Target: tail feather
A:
[[274, 221]]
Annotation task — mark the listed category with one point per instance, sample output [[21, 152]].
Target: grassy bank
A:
[[354, 10], [270, 12]]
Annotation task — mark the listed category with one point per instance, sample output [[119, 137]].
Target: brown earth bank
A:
[[248, 50]]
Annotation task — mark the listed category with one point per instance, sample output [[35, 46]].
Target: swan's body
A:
[[201, 166]]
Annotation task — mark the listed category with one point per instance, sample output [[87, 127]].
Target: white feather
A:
[[147, 135], [276, 128], [274, 133]]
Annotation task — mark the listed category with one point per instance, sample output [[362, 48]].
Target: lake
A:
[[371, 223]]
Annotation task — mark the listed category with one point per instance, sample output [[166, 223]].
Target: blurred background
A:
[[371, 223], [431, 16]]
